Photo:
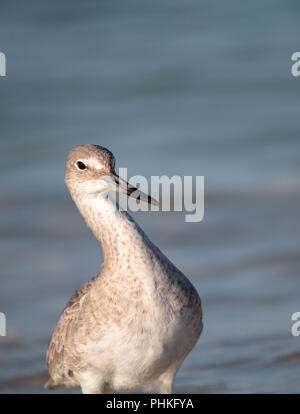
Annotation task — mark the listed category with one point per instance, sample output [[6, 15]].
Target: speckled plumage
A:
[[133, 324]]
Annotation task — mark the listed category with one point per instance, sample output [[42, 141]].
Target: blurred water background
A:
[[170, 87]]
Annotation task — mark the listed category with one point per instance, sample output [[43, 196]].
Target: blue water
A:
[[172, 87]]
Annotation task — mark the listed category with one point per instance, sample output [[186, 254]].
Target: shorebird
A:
[[133, 324]]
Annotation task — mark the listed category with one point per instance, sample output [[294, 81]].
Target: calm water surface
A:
[[187, 88]]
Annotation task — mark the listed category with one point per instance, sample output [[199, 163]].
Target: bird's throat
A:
[[120, 237]]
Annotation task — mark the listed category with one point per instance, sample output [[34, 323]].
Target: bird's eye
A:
[[80, 165]]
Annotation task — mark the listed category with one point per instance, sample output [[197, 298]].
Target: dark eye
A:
[[81, 165]]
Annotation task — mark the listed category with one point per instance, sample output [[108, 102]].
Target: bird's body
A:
[[133, 324]]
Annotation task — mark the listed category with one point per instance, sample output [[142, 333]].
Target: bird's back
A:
[[60, 354]]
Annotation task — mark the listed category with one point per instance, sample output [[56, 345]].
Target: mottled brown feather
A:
[[62, 333]]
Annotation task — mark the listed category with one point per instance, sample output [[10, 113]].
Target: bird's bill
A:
[[124, 187]]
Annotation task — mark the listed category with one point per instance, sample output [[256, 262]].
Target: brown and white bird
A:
[[133, 324]]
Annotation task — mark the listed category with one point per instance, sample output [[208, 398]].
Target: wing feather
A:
[[59, 354]]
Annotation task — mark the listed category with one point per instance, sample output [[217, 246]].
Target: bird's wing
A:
[[57, 360]]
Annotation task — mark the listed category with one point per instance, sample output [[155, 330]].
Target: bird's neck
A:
[[120, 237]]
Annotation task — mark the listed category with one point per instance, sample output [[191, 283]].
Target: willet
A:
[[133, 324]]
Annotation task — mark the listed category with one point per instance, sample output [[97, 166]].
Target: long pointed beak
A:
[[123, 187]]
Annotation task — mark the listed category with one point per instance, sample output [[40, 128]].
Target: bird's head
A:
[[90, 172]]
